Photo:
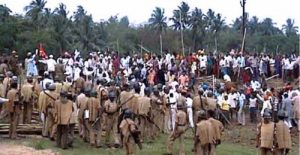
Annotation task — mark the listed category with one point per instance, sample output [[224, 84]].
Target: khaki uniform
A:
[[133, 104], [6, 85], [58, 87], [180, 128], [79, 84], [14, 109], [144, 113], [48, 110], [66, 87], [59, 71], [2, 94], [110, 120], [81, 102], [73, 121], [125, 96], [27, 93], [266, 136], [204, 137], [36, 92], [127, 127], [94, 107], [197, 106], [63, 113], [217, 128], [211, 103], [157, 114], [283, 138]]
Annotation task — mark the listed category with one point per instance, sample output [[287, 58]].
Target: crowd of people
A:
[[133, 98]]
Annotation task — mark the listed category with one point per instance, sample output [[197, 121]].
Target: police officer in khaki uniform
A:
[[14, 109], [204, 135], [283, 142], [211, 101], [95, 110], [157, 111], [217, 128], [128, 128], [60, 70], [79, 84], [81, 102], [27, 95], [63, 111], [199, 103], [2, 91], [179, 130], [110, 117], [50, 98], [265, 135], [145, 114], [58, 85]]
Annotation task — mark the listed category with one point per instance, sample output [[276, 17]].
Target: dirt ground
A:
[[12, 149]]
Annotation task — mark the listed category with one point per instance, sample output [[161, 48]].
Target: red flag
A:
[[42, 51]]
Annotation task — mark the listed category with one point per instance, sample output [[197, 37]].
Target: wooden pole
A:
[[160, 40], [181, 33], [243, 43]]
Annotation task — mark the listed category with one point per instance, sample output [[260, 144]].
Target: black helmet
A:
[[202, 114], [111, 94], [147, 91], [159, 86], [52, 87], [93, 93], [86, 91], [63, 93], [128, 113]]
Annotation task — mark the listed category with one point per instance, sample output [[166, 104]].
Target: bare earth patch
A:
[[11, 149]]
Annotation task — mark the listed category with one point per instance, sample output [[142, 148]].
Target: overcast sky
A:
[[139, 11]]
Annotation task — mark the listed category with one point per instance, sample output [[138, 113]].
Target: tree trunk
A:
[[160, 40], [216, 44]]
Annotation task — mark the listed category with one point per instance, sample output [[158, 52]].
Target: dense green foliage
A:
[[59, 31]]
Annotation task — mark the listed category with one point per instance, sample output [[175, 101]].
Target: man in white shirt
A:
[[50, 65], [232, 100]]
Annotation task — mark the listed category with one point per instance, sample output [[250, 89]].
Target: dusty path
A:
[[12, 149]]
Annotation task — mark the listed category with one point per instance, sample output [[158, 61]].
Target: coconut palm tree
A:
[[197, 24], [4, 13], [181, 16], [290, 27], [35, 8], [158, 22]]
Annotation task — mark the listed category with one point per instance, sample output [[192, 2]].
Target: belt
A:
[[181, 124]]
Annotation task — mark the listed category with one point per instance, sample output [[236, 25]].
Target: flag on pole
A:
[[42, 51]]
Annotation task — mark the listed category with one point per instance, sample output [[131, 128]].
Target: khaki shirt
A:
[[144, 105], [124, 96], [93, 105], [13, 97], [181, 118], [283, 136], [81, 102], [27, 92], [63, 112], [110, 107], [217, 128], [49, 101], [127, 126], [204, 132], [211, 103], [266, 132]]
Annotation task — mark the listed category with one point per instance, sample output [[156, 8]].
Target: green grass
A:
[[236, 141], [156, 148]]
